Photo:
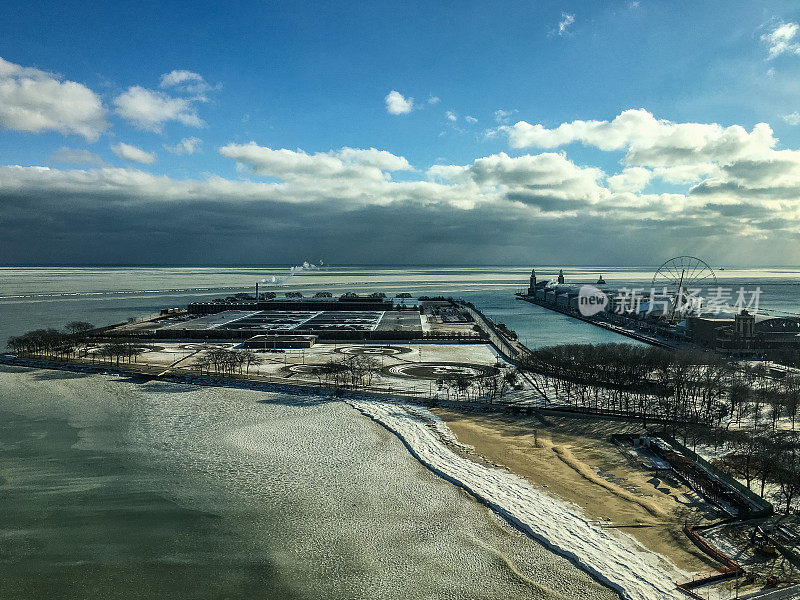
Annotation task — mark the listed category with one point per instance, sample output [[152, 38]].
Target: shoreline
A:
[[199, 380], [570, 456], [615, 559], [307, 388], [428, 448]]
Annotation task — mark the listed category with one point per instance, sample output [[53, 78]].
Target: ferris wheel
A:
[[682, 273]]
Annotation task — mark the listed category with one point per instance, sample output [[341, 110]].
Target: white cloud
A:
[[528, 178], [685, 173], [632, 179], [782, 40], [127, 214], [33, 100], [188, 145], [793, 118], [134, 154], [181, 80], [732, 172], [75, 156], [149, 109], [503, 116], [345, 183], [434, 100], [470, 119], [397, 104], [566, 20], [451, 116], [650, 142], [736, 186], [184, 79], [347, 163]]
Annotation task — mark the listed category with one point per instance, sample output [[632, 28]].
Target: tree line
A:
[[226, 362], [73, 342], [52, 343], [698, 397], [486, 387]]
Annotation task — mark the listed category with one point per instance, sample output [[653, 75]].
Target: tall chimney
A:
[[256, 291]]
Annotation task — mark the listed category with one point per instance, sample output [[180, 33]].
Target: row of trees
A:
[[354, 371], [487, 387], [73, 342], [769, 463], [226, 362], [117, 352], [680, 387], [743, 409], [53, 343]]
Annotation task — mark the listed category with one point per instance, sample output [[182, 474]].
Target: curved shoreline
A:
[[618, 562], [531, 511]]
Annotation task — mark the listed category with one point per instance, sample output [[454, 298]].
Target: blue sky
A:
[[314, 78]]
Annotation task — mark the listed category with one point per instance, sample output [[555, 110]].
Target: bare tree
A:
[[78, 327]]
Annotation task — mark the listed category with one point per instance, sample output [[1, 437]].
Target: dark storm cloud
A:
[[75, 228], [739, 190], [344, 206], [735, 210], [547, 203]]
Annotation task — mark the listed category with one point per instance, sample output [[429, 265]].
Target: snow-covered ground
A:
[[610, 556], [772, 491]]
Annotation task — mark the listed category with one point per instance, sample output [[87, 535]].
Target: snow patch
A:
[[438, 425]]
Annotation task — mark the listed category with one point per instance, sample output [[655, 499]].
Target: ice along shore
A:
[[612, 558]]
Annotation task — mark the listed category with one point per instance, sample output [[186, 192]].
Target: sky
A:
[[608, 133]]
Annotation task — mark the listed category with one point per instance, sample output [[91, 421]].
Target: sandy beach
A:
[[572, 458]]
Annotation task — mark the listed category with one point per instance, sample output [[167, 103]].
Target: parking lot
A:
[[279, 320]]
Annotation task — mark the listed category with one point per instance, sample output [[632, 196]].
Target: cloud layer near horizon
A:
[[739, 201]]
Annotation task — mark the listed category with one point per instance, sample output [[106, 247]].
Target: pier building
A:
[[656, 319], [745, 334]]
